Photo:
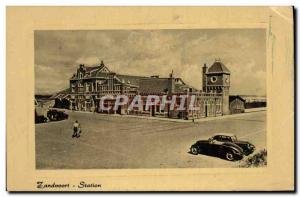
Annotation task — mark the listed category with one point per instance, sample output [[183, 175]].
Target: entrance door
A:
[[119, 110], [153, 110]]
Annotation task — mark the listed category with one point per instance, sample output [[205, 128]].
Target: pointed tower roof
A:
[[218, 67]]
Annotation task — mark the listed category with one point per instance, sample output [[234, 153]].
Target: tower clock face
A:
[[213, 79], [227, 80]]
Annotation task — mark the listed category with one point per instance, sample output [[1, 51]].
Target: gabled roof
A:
[[93, 71], [92, 68], [161, 85], [130, 80], [233, 97], [154, 86], [218, 67]]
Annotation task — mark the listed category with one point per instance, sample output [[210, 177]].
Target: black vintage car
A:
[[223, 145], [40, 119], [55, 115]]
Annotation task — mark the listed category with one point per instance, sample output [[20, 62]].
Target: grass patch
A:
[[259, 159]]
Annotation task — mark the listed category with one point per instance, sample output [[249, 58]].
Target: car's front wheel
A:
[[194, 150], [229, 156]]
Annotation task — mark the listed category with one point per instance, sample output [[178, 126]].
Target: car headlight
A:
[[250, 146]]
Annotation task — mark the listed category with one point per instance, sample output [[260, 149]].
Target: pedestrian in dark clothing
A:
[[76, 129]]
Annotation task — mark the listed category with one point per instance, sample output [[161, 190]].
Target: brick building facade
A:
[[89, 84]]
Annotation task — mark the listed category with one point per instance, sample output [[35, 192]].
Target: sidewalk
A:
[[180, 120], [176, 120], [228, 116]]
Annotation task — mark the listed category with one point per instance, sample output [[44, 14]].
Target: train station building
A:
[[91, 83]]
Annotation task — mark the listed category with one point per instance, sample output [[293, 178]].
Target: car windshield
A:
[[234, 138]]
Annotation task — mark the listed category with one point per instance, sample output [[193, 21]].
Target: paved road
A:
[[118, 142]]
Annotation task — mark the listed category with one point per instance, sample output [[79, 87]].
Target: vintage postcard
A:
[[150, 99]]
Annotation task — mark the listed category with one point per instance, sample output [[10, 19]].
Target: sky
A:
[[152, 52]]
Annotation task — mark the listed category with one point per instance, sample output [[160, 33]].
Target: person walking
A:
[[76, 129]]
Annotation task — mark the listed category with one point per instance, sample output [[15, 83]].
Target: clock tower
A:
[[216, 79]]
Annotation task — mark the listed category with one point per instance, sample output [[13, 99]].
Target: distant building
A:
[[254, 101], [241, 103], [236, 104], [89, 84]]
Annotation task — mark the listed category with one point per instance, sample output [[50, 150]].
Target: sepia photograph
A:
[[169, 98], [150, 99]]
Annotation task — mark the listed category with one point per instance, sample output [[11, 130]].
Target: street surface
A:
[[126, 142]]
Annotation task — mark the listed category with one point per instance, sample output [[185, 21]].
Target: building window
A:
[[87, 87], [218, 106]]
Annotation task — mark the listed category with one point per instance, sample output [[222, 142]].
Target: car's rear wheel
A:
[[194, 150], [229, 156]]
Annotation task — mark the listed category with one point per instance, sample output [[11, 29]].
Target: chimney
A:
[[171, 81], [204, 78]]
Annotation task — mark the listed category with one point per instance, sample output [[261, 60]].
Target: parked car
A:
[[41, 119], [55, 115], [223, 145]]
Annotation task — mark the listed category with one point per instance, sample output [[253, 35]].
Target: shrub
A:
[[259, 159]]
